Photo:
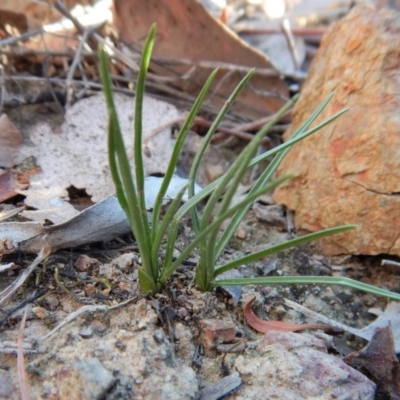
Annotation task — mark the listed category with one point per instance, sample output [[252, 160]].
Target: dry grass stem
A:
[[11, 289], [22, 375]]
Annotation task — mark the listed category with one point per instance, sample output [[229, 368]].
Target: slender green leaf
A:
[[161, 229], [233, 176], [308, 280], [211, 187], [282, 246], [120, 167], [262, 180], [137, 148], [214, 225], [296, 138], [178, 147], [206, 142]]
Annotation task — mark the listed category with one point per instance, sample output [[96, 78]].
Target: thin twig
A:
[[50, 86], [267, 72], [290, 40], [31, 299], [320, 317], [259, 123], [81, 29], [22, 375], [207, 124], [84, 309], [314, 32], [11, 289], [390, 262], [21, 38], [73, 66]]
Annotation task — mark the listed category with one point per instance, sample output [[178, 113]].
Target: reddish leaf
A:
[[10, 142], [7, 186], [379, 361], [263, 326]]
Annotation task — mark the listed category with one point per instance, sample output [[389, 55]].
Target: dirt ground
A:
[[153, 347]]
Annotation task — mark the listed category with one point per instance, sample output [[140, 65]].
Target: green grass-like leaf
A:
[[309, 280], [130, 192]]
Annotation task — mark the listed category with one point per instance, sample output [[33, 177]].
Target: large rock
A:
[[349, 172], [288, 365]]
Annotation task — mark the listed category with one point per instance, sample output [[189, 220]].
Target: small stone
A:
[[215, 331], [119, 344], [98, 326], [52, 301], [123, 286], [125, 262], [241, 233], [213, 172], [84, 263], [40, 312], [89, 290], [182, 312], [86, 333], [159, 336], [272, 215]]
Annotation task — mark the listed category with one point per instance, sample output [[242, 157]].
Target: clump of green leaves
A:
[[130, 191]]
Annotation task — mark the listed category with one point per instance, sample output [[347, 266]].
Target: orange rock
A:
[[349, 172]]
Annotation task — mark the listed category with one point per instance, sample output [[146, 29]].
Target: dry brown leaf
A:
[[379, 361], [38, 13], [14, 20], [10, 142], [185, 30], [7, 186]]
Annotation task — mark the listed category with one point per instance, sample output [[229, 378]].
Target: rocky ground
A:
[[177, 344]]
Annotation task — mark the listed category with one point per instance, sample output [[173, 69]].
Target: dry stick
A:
[[206, 124], [22, 376], [51, 89], [259, 123], [91, 308], [25, 52], [319, 317], [290, 40], [73, 66], [10, 213], [21, 38], [267, 72], [390, 262], [317, 31], [266, 141], [217, 87], [11, 289], [85, 89], [93, 43]]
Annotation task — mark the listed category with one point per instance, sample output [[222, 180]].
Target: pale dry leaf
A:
[[37, 12], [78, 154], [101, 222]]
